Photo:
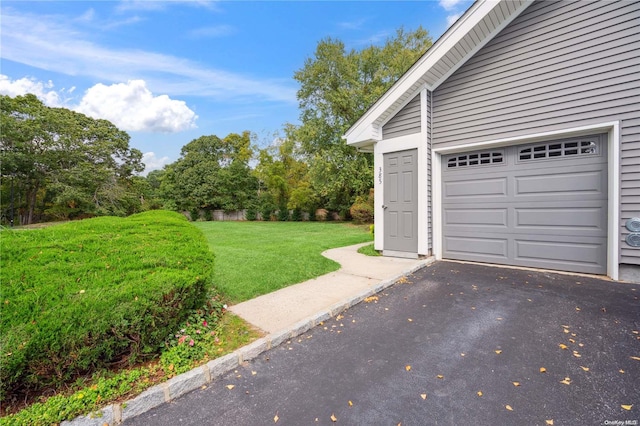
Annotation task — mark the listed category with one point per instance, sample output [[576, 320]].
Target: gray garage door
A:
[[540, 205]]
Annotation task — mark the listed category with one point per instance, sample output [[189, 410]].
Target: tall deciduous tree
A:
[[212, 173], [63, 163], [336, 87]]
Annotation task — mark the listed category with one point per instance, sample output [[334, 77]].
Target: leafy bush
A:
[[252, 214], [266, 212], [362, 210], [83, 295], [283, 214], [194, 214], [196, 337], [208, 215], [296, 216]]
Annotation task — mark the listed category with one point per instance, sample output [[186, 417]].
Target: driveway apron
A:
[[453, 344]]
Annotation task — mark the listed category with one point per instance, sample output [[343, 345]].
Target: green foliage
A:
[[59, 408], [194, 214], [196, 338], [369, 250], [83, 295], [296, 215], [362, 210], [252, 213], [283, 214], [208, 215], [212, 173], [63, 164], [336, 87], [289, 253]]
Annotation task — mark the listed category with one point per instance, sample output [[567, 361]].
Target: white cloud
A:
[[152, 162], [131, 106], [44, 91], [450, 4], [52, 43], [210, 32]]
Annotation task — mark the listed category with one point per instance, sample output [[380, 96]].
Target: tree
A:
[[64, 163], [212, 173], [336, 88]]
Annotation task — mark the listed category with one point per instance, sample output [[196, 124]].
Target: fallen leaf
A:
[[461, 354], [563, 346], [408, 368], [585, 368], [370, 299], [549, 422], [423, 395], [350, 404], [577, 309], [203, 387], [566, 331], [627, 407], [566, 381], [334, 418], [230, 387], [572, 340], [276, 418], [498, 351], [339, 317], [508, 407], [621, 371], [440, 376], [636, 358], [543, 370], [253, 373], [635, 332], [410, 320], [479, 393], [516, 384]]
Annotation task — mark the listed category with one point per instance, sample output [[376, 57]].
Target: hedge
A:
[[82, 296]]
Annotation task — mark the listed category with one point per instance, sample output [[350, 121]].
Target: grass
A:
[[368, 250], [255, 258]]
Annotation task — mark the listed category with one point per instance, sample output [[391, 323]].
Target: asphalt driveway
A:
[[455, 344]]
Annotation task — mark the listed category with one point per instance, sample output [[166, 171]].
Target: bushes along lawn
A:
[[255, 258], [102, 292]]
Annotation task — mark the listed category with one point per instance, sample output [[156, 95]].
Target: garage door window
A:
[[476, 159], [558, 149]]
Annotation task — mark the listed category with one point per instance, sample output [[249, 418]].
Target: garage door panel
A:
[[476, 217], [562, 220], [477, 247], [560, 184], [476, 188], [549, 213]]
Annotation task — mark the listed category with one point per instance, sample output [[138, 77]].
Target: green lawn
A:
[[255, 258]]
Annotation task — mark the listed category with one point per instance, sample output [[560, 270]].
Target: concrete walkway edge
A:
[[175, 387]]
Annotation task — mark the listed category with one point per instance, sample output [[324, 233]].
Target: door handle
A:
[[384, 207]]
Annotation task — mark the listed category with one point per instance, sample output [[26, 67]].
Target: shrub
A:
[[266, 212], [252, 214], [283, 214], [296, 216], [362, 210], [194, 214], [84, 295], [208, 215]]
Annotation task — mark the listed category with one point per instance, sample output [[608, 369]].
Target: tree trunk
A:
[[31, 200]]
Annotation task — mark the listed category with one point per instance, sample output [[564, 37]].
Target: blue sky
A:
[[168, 72]]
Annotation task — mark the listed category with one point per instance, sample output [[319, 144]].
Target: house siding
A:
[[406, 122], [429, 192], [558, 65]]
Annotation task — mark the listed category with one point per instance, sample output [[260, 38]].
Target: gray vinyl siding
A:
[[558, 65], [405, 122], [429, 192]]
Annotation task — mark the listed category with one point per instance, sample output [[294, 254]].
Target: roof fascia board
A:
[[439, 49], [480, 45]]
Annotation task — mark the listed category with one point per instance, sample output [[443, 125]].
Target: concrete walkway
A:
[[359, 274]]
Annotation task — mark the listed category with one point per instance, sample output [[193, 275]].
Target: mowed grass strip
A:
[[256, 258]]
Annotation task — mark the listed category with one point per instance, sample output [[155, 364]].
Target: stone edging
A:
[[175, 387]]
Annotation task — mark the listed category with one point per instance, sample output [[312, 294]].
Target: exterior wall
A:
[[559, 65], [406, 122], [427, 120]]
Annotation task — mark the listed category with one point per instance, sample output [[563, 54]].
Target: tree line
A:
[[57, 164]]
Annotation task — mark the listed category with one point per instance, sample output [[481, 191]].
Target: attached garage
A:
[[539, 205], [525, 116]]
